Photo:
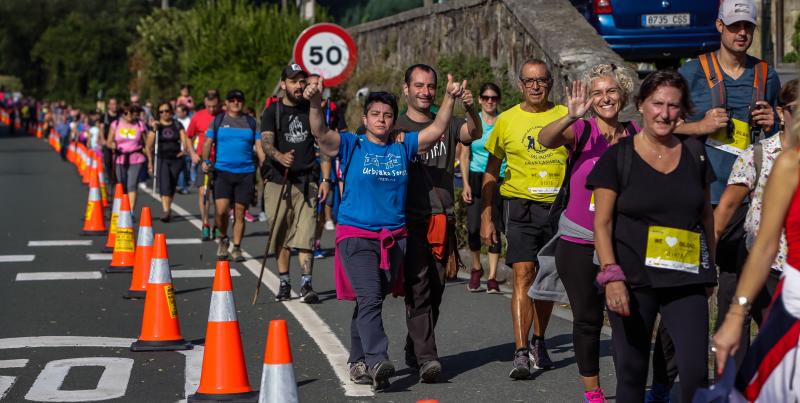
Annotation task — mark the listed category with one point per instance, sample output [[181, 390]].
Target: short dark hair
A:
[[535, 62], [788, 93], [314, 75], [666, 78], [490, 86], [382, 97], [423, 67], [212, 95]]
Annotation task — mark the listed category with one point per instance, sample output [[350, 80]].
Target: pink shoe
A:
[[595, 396], [249, 217]]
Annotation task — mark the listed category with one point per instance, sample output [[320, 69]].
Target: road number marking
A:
[[112, 383]]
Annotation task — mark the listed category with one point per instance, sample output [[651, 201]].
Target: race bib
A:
[[733, 143], [673, 249], [128, 133], [546, 180]]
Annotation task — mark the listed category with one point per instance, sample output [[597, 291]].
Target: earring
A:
[[782, 126]]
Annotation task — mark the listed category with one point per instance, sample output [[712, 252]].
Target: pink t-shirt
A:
[[580, 208], [130, 139]]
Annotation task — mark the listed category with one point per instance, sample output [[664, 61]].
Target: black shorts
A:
[[527, 229], [238, 188], [168, 172]]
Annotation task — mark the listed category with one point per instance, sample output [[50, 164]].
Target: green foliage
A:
[[794, 57], [10, 83], [476, 70]]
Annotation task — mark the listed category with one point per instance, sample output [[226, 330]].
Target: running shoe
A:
[[429, 371], [380, 374], [492, 287], [217, 233], [262, 217], [474, 284], [318, 253], [183, 191], [522, 365], [222, 249], [206, 233], [308, 295], [329, 225], [538, 355], [658, 393], [358, 373], [249, 217], [595, 396], [284, 292], [236, 254]]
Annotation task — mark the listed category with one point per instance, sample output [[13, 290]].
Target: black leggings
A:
[[168, 171], [684, 311], [577, 273], [474, 214]]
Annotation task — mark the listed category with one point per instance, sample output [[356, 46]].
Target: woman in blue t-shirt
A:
[[370, 237], [473, 159]]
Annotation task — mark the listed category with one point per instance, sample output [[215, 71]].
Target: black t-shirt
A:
[[431, 193], [169, 140], [651, 198], [109, 118], [294, 133]]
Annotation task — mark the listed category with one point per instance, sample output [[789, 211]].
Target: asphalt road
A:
[[67, 339]]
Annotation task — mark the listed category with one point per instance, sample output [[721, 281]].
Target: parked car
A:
[[658, 31]]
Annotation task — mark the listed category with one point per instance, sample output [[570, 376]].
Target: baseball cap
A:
[[292, 71], [235, 94], [733, 11]]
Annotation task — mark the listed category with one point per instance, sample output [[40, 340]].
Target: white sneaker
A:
[[143, 186], [262, 217], [329, 225]]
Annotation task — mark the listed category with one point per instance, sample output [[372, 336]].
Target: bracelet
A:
[[609, 273], [325, 180]]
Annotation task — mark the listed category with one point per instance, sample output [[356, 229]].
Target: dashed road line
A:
[[184, 241], [87, 242], [98, 256], [200, 273], [16, 258], [59, 275], [21, 363]]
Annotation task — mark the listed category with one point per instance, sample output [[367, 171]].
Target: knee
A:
[[523, 277]]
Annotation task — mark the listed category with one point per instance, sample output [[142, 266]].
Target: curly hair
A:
[[621, 74]]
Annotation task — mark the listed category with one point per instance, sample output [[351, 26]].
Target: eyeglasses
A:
[[239, 100], [541, 82], [493, 98], [164, 111]]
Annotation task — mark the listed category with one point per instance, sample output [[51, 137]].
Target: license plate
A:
[[665, 20]]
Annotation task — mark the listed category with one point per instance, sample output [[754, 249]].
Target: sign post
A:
[[328, 50]]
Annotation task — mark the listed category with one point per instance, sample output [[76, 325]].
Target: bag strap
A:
[[758, 160], [759, 81], [349, 160], [624, 161], [714, 79], [576, 153]]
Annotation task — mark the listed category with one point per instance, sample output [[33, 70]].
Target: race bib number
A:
[[673, 249], [733, 143], [546, 180]]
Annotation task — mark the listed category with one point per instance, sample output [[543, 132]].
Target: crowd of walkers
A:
[[638, 222]]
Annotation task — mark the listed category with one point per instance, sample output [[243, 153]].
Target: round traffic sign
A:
[[328, 50]]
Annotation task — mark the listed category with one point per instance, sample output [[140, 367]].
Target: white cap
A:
[[733, 11]]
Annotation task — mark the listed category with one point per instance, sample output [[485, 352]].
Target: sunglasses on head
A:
[[494, 98]]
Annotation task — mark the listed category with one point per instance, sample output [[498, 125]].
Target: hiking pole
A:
[[205, 203], [269, 236], [155, 165]]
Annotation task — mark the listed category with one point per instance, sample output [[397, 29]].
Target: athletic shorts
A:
[[129, 175], [238, 188], [527, 229], [297, 217]]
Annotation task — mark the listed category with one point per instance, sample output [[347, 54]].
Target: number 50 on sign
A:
[[327, 50]]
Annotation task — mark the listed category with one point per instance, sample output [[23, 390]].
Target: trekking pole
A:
[[155, 165], [205, 202], [269, 236]]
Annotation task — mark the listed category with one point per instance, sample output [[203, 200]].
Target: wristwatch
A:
[[743, 302], [324, 180]]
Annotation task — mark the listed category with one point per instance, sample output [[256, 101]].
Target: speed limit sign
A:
[[328, 50]]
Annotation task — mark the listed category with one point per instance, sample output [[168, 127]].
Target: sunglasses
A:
[[164, 111], [239, 100], [493, 98]]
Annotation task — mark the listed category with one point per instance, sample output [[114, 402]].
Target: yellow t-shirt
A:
[[532, 171]]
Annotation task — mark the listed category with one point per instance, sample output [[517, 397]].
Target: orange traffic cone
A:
[[224, 374], [428, 401], [142, 257], [124, 246], [161, 330], [101, 180], [94, 222], [277, 378], [112, 223], [86, 165]]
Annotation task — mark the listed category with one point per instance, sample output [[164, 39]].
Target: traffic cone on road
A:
[[124, 246], [94, 222], [224, 374], [142, 257], [101, 181], [428, 401], [161, 329], [112, 223], [277, 379]]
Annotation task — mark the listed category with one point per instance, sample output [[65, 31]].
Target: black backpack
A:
[[625, 158]]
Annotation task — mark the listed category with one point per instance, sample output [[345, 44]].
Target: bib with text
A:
[[733, 143], [673, 249], [546, 179]]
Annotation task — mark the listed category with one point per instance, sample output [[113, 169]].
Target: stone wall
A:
[[505, 31]]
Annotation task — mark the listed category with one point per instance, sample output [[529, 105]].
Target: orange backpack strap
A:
[[759, 81], [714, 78]]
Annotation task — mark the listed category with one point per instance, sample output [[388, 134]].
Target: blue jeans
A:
[[186, 172]]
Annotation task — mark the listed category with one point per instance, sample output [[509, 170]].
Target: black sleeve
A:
[[604, 173], [268, 118], [341, 124]]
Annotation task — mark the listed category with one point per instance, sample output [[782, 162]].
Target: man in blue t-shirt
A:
[[234, 136]]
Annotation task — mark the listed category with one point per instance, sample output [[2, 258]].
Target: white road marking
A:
[[16, 258], [319, 331], [99, 256], [87, 242], [200, 273], [112, 383], [194, 366], [6, 382], [59, 275], [184, 241], [14, 363]]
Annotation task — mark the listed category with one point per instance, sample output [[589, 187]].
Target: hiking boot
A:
[[358, 373], [308, 295], [521, 365], [284, 292], [206, 234], [411, 358], [429, 371], [594, 396], [236, 254], [380, 374], [222, 249], [539, 356], [475, 280], [492, 287]]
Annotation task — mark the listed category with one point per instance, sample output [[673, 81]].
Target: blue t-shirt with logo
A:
[[375, 182], [234, 142], [479, 156], [738, 95]]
